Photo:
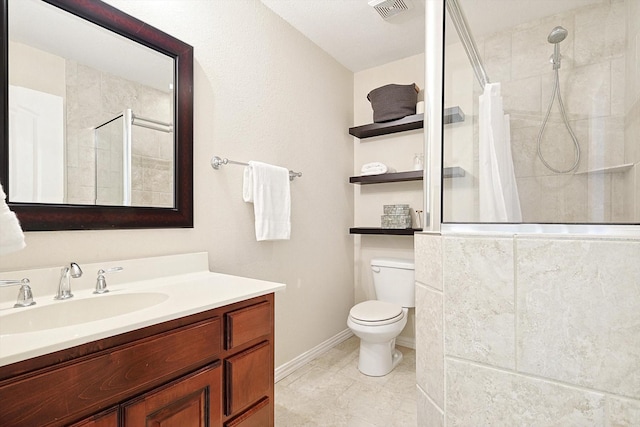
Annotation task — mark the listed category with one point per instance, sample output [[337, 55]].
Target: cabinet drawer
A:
[[108, 378], [192, 401], [247, 377], [246, 324], [259, 415]]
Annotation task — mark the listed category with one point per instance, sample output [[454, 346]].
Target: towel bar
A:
[[216, 162]]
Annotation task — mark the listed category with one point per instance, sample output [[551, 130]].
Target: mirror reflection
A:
[[90, 113]]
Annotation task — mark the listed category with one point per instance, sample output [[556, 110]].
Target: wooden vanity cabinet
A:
[[214, 368]]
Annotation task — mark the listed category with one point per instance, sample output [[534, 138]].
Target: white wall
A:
[[262, 92], [396, 150]]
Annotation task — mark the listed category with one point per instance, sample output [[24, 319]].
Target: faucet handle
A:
[[25, 296], [101, 282]]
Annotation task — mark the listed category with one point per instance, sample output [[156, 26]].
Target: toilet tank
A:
[[394, 280]]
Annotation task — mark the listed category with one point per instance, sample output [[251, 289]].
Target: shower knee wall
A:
[[513, 329]]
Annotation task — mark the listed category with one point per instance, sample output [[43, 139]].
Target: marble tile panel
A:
[[632, 135], [524, 150], [600, 33], [479, 299], [530, 194], [430, 343], [599, 194], [497, 56], [622, 412], [429, 415], [480, 396], [577, 312], [563, 198], [585, 91], [522, 96], [428, 260], [623, 197], [605, 142], [619, 87]]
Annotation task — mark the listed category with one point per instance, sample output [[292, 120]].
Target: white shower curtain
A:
[[499, 200]]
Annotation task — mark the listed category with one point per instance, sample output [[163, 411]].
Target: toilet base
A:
[[378, 359]]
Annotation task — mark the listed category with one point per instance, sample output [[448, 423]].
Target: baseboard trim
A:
[[290, 367], [406, 342]]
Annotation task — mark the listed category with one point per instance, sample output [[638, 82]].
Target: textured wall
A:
[[528, 330], [262, 92], [397, 151]]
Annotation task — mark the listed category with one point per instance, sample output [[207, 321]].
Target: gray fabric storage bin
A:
[[393, 101]]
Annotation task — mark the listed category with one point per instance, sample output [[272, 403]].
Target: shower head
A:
[[557, 35]]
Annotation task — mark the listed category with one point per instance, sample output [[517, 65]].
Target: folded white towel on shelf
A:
[[375, 168], [11, 235], [267, 187]]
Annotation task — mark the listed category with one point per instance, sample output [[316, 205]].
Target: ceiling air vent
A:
[[389, 8]]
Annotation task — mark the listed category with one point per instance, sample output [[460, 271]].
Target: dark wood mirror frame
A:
[[41, 216]]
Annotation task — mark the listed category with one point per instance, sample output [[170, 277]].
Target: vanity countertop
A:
[[173, 296]]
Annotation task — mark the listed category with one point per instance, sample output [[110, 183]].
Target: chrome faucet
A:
[[64, 287], [25, 297], [101, 282]]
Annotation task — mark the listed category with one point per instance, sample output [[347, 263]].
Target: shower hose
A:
[[556, 90]]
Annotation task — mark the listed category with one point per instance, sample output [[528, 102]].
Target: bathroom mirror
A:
[[97, 118]]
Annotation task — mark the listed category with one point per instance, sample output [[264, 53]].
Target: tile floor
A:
[[330, 391]]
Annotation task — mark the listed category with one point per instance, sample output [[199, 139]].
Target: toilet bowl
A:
[[378, 322], [378, 353]]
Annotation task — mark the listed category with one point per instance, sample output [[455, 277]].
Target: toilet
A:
[[378, 322]]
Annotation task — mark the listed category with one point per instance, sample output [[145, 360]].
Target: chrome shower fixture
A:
[[557, 35]]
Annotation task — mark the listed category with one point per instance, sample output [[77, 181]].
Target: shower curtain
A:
[[499, 201]]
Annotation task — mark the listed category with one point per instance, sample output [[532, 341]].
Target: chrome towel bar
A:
[[216, 162]]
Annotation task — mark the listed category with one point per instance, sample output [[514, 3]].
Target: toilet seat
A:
[[376, 313]]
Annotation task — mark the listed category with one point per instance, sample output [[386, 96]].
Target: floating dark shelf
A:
[[387, 177], [387, 231], [416, 121], [449, 172]]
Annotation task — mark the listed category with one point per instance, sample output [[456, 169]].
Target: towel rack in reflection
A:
[[216, 162]]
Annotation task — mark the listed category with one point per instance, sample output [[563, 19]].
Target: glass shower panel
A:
[[152, 166], [554, 137], [110, 158]]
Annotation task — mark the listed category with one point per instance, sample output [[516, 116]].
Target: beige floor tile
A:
[[330, 391]]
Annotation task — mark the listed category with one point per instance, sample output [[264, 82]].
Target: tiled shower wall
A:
[[103, 97], [527, 330], [599, 81]]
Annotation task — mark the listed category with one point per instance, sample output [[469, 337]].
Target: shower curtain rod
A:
[[462, 28], [216, 162]]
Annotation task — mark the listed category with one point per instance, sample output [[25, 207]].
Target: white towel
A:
[[11, 235], [375, 168], [267, 187]]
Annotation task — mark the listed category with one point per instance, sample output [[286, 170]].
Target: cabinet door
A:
[[108, 418], [194, 400], [247, 378]]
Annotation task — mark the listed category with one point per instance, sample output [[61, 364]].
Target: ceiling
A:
[[354, 34]]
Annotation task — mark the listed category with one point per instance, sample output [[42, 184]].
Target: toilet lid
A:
[[378, 312]]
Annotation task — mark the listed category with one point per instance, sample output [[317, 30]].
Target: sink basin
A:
[[76, 312]]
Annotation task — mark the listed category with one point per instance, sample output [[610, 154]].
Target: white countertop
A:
[[187, 293]]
